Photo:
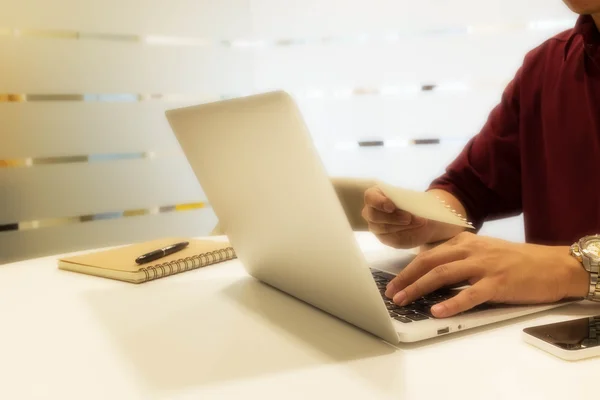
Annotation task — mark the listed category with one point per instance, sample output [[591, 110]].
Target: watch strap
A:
[[593, 269], [595, 295]]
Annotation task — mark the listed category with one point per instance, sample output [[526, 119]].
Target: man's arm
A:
[[483, 182], [486, 177], [486, 180]]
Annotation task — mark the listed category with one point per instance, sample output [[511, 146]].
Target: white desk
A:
[[215, 333]]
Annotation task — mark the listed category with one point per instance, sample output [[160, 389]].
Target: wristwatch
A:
[[587, 252]]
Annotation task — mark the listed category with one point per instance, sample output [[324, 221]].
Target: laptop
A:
[[257, 164]]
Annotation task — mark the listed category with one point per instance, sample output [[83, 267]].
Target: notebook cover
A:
[[119, 263]]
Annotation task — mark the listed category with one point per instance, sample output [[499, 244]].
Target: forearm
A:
[[442, 231]]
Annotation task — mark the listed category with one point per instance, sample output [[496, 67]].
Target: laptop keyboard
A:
[[420, 309]]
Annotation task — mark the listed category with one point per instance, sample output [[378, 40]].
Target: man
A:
[[538, 154]]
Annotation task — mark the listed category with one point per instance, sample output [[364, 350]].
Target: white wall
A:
[[83, 87]]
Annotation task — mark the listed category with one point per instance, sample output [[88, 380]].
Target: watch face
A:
[[592, 247]]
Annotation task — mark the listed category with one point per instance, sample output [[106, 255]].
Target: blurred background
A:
[[390, 89]]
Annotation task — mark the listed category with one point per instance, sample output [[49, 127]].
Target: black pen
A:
[[165, 251]]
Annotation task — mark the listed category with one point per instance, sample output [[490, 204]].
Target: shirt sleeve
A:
[[486, 176]]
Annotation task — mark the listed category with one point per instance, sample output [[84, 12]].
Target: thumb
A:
[[375, 198]]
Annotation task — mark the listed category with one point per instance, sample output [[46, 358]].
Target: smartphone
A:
[[570, 340]]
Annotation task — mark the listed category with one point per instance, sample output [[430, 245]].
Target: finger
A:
[[471, 297], [408, 238], [386, 229], [422, 264], [441, 276], [401, 240], [397, 217], [375, 198]]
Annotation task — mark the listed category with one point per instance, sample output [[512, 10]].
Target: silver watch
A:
[[587, 252]]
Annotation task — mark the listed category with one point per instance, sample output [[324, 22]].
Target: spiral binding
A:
[[188, 263]]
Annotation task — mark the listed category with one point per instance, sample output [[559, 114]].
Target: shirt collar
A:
[[586, 28]]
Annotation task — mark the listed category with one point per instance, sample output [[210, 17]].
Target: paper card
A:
[[422, 204]]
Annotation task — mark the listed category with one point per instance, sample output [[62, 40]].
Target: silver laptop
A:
[[256, 162]]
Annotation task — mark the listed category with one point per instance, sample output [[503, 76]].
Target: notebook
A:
[[423, 204], [119, 263]]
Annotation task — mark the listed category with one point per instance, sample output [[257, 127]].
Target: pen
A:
[[165, 251]]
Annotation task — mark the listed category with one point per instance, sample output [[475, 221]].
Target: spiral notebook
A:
[[119, 263]]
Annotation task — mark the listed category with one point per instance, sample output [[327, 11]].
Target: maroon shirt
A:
[[539, 152]]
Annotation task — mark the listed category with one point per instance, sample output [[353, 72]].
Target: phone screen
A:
[[577, 334]]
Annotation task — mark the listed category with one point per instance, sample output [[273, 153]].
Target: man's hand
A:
[[498, 271], [400, 229], [394, 227]]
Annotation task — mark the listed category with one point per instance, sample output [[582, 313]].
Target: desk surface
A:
[[216, 333]]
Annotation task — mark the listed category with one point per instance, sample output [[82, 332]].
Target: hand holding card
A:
[[423, 204]]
